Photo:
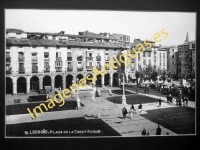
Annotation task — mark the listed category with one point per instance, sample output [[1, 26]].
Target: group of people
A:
[[158, 131], [131, 111], [181, 100], [146, 89]]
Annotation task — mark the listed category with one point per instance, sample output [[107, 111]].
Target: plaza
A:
[[110, 113]]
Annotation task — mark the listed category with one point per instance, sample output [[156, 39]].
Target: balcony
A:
[[69, 68], [21, 70], [21, 59], [98, 67], [58, 58], [80, 58], [80, 68], [8, 71], [69, 58], [47, 69], [58, 69], [89, 67], [98, 58], [107, 58], [35, 70], [8, 58], [8, 63], [34, 60], [90, 58], [46, 59]]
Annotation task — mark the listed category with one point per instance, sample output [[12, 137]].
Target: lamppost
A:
[[78, 99], [123, 96]]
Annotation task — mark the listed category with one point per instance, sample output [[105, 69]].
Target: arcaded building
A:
[[35, 60]]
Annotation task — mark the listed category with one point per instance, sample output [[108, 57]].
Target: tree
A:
[[154, 75]]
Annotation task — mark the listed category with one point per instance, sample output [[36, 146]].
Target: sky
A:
[[137, 24]]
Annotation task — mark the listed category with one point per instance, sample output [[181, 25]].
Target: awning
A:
[[34, 53]]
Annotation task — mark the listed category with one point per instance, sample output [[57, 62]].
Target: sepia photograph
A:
[[99, 73]]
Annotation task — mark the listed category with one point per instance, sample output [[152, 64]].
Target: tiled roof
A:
[[43, 42], [10, 30]]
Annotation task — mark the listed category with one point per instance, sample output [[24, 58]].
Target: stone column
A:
[[27, 84], [52, 82], [14, 86], [111, 80], [40, 82], [102, 81]]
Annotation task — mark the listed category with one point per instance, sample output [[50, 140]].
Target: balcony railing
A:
[[107, 58], [8, 58], [8, 63], [98, 67], [69, 58], [79, 58], [34, 60], [80, 68], [47, 69], [21, 70], [89, 67], [35, 70], [46, 59], [90, 58], [21, 59], [98, 58], [69, 68], [58, 69], [58, 58]]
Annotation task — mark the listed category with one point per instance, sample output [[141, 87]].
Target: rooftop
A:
[[64, 43]]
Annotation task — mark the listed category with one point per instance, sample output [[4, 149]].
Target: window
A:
[[172, 62], [149, 61], [69, 64], [90, 54], [160, 55], [172, 50], [58, 54], [58, 63], [163, 62], [144, 61], [79, 65], [164, 55], [127, 39], [160, 63], [120, 38], [46, 54], [21, 66], [34, 56], [7, 54], [172, 56]]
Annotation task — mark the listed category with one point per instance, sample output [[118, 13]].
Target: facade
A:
[[154, 56], [186, 59], [172, 59], [35, 60]]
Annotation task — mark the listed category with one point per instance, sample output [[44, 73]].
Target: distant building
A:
[[156, 56], [186, 59]]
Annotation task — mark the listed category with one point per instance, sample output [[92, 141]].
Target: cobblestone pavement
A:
[[109, 112]]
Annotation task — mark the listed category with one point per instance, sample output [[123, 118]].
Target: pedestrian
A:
[[158, 130], [136, 90], [180, 103], [160, 102], [131, 111], [170, 98], [75, 106], [124, 112], [177, 101], [144, 132], [167, 133], [147, 133], [186, 100], [140, 106], [167, 98]]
